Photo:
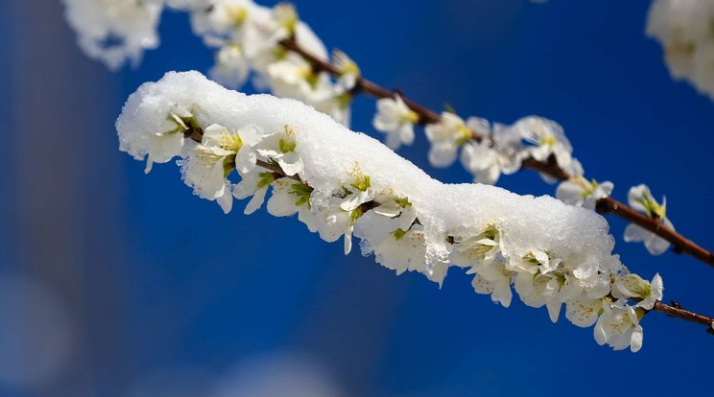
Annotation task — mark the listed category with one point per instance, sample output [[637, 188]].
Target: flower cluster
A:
[[235, 146], [247, 38], [684, 29], [488, 151], [114, 31]]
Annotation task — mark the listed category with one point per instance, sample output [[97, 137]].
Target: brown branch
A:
[[277, 170], [680, 244], [676, 311], [195, 133]]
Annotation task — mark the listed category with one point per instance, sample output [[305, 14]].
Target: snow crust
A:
[[329, 151]]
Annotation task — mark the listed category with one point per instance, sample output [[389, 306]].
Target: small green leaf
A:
[[355, 214], [402, 202], [398, 234], [266, 178]]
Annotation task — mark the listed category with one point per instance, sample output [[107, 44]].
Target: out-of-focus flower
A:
[[446, 136], [395, 119], [580, 192], [684, 29]]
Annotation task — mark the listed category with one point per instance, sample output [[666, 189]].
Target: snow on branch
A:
[[341, 183], [284, 56]]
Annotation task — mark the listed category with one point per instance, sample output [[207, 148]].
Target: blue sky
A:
[[193, 287]]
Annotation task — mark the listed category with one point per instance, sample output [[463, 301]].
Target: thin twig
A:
[[677, 311], [680, 244]]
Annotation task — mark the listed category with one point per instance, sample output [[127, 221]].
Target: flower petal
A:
[[634, 233]]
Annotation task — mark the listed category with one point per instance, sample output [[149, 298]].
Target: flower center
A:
[[464, 134], [409, 117], [237, 14], [231, 142], [548, 140]]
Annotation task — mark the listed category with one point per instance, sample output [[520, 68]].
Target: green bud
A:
[[303, 192]]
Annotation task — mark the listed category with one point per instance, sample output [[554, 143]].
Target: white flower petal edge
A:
[[395, 119], [342, 183], [640, 199]]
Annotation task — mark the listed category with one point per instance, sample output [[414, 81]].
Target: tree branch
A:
[[607, 205], [676, 311], [195, 133]]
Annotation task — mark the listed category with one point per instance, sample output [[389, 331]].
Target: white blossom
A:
[[280, 148], [339, 219], [388, 231], [535, 261], [378, 223], [495, 281], [254, 185], [334, 222], [231, 68], [163, 146], [446, 136], [540, 290], [493, 155], [208, 165], [585, 278], [633, 286], [483, 253], [399, 250], [583, 311], [336, 105], [230, 20], [114, 31], [683, 28], [395, 119], [544, 138], [478, 251], [348, 70], [580, 192], [290, 197], [619, 326], [640, 199]]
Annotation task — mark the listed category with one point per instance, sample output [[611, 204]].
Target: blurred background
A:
[[116, 283]]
